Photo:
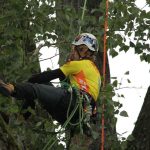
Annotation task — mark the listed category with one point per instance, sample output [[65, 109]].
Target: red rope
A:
[[104, 75], [105, 44]]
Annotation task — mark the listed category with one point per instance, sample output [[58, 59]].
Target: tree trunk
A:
[[140, 139]]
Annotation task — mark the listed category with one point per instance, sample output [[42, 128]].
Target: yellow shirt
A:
[[84, 75]]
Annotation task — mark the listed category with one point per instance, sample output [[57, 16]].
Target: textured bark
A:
[[141, 132], [99, 63]]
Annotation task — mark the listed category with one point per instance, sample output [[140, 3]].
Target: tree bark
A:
[[140, 139]]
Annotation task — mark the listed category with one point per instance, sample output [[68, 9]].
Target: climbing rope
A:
[[80, 100], [79, 107], [83, 12], [48, 146], [104, 75]]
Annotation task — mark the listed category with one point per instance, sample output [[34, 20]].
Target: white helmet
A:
[[87, 39]]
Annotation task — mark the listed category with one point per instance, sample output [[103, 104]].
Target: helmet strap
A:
[[78, 51]]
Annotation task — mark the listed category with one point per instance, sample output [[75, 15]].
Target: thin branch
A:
[[144, 6], [113, 90], [48, 58], [130, 88]]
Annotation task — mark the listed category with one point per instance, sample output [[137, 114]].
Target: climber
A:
[[81, 71]]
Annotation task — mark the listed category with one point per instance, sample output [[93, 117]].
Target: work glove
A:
[[6, 89]]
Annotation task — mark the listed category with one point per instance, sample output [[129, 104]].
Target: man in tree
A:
[[83, 76]]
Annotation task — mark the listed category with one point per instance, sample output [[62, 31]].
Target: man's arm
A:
[[47, 76]]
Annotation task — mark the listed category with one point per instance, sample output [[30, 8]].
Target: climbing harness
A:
[[85, 108]]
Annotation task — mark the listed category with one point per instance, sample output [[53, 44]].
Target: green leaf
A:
[[130, 138], [109, 87], [124, 113], [148, 58], [129, 34], [147, 22], [132, 44], [39, 124], [95, 135], [125, 48], [116, 112], [14, 109], [120, 106], [128, 81], [113, 53], [115, 83], [127, 73], [116, 104], [101, 19], [122, 96]]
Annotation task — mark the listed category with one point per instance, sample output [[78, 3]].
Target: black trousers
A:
[[54, 99]]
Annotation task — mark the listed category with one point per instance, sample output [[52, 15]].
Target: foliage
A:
[[131, 31], [24, 23]]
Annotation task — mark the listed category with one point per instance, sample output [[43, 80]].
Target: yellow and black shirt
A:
[[84, 75]]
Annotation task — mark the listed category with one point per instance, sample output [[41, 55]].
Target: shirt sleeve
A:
[[47, 76], [71, 67]]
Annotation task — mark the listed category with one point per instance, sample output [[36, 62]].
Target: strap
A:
[[88, 99]]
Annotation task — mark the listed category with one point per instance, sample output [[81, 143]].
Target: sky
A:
[[134, 92]]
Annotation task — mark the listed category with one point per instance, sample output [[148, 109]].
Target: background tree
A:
[[140, 135]]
